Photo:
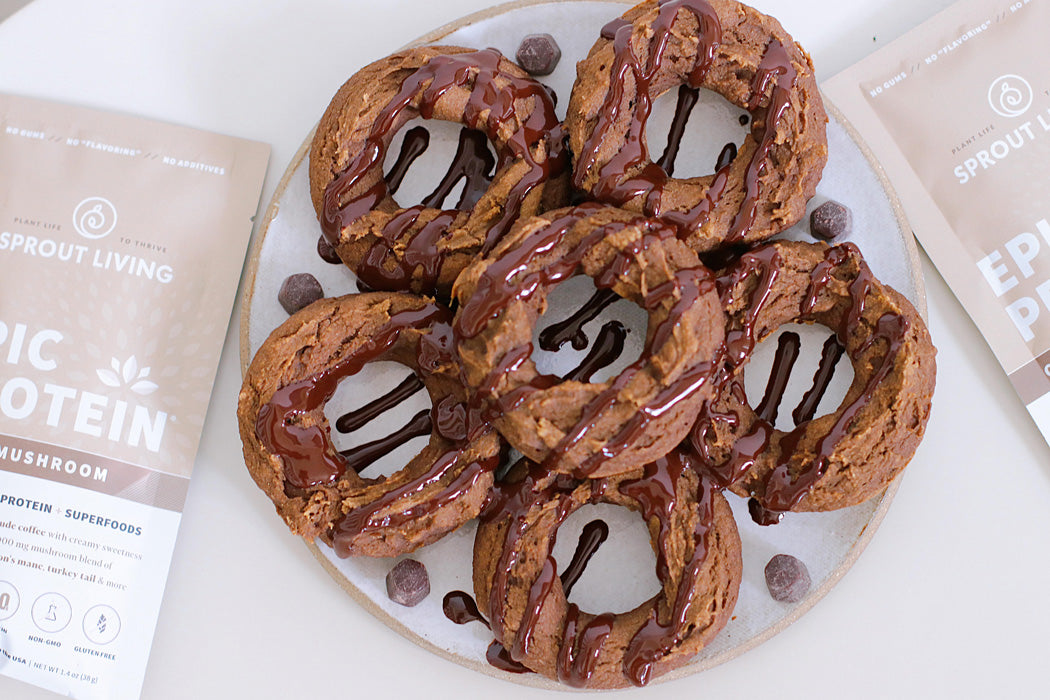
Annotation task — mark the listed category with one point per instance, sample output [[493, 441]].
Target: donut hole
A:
[[622, 573], [564, 302], [375, 380], [713, 124], [812, 338], [427, 171]]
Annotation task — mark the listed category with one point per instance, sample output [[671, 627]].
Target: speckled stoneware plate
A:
[[828, 543]]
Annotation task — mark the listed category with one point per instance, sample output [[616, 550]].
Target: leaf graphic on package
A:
[[131, 368], [108, 378], [101, 624]]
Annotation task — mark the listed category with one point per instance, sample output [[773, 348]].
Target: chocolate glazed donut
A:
[[853, 453], [719, 45], [423, 248], [317, 489], [698, 563], [570, 426]]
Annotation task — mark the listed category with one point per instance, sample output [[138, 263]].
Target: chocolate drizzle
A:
[[783, 489], [359, 458], [306, 449], [460, 608], [725, 156], [512, 502], [829, 358], [657, 493], [472, 162], [630, 173], [504, 282], [571, 329], [775, 66], [789, 481], [491, 105], [687, 99], [353, 420], [581, 646], [287, 429], [594, 534], [607, 348], [416, 141], [787, 352]]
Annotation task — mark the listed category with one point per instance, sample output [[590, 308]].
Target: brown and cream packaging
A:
[[121, 246], [958, 113]]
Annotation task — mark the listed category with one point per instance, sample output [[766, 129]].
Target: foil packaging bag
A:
[[121, 246], [958, 113]]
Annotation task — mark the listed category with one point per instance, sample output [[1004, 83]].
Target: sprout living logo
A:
[[95, 217], [1010, 95]]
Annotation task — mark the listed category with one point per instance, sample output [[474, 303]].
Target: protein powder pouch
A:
[[958, 113], [121, 247]]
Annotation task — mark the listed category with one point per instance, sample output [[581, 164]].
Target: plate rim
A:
[[866, 534]]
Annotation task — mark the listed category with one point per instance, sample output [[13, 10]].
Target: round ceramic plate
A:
[[621, 575]]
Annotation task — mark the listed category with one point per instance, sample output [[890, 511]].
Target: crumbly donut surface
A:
[[889, 399], [344, 132], [798, 152], [539, 424], [308, 343]]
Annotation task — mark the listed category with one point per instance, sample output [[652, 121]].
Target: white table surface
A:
[[951, 599]]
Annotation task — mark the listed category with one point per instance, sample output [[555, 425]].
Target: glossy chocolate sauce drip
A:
[[775, 68], [498, 657], [687, 98], [502, 283], [460, 608], [725, 156], [512, 501], [310, 459], [789, 482], [349, 422], [613, 26], [306, 450], [829, 358], [416, 141], [657, 493], [490, 105], [581, 646], [445, 486], [608, 347], [575, 668], [571, 329], [361, 457], [473, 162], [783, 490], [593, 536], [764, 262], [658, 497], [647, 179], [744, 452], [783, 361]]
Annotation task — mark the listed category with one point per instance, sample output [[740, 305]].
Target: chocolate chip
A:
[[407, 583], [538, 54], [830, 220], [299, 291], [744, 119], [327, 251], [787, 578]]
